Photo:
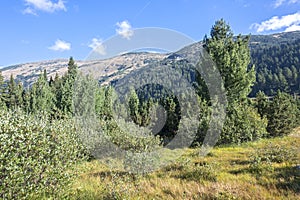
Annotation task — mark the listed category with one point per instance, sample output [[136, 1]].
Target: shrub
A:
[[243, 124], [262, 158], [36, 155], [282, 115], [200, 172]]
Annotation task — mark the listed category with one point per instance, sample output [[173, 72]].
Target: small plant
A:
[[262, 159], [199, 172]]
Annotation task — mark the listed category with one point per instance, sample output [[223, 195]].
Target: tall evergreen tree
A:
[[262, 103], [44, 96], [11, 101], [232, 57], [2, 92], [19, 96], [282, 114], [65, 88], [134, 107]]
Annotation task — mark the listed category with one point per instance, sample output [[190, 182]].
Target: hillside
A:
[[275, 56], [108, 69]]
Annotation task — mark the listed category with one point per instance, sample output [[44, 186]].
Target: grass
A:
[[227, 172]]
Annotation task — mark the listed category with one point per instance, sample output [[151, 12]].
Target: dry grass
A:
[[223, 174]]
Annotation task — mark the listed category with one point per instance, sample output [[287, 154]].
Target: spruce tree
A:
[[19, 96], [44, 96], [67, 89], [262, 103], [232, 57], [282, 114], [134, 107], [2, 92], [11, 101]]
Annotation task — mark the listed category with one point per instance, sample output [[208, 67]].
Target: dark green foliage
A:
[[171, 106], [2, 92], [262, 103], [134, 104], [232, 58], [277, 62], [44, 98], [243, 124], [64, 89], [282, 115], [11, 100]]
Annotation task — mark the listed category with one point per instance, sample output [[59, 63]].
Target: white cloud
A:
[[293, 28], [43, 5], [60, 46], [279, 3], [125, 29], [97, 46], [29, 11], [276, 23]]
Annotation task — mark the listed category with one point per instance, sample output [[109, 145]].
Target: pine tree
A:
[[72, 70], [11, 101], [2, 92], [19, 96], [134, 107], [262, 103], [282, 114], [67, 89], [44, 96], [26, 101], [33, 100], [232, 57]]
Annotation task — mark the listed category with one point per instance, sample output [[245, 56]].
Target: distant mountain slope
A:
[[107, 70], [277, 61], [277, 38], [276, 57]]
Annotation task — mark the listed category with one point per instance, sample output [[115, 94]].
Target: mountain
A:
[[108, 69], [277, 61], [276, 57]]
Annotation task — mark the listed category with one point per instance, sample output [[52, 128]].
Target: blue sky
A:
[[35, 30]]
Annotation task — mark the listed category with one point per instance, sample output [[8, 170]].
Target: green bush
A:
[[200, 172], [262, 158], [243, 124], [36, 155], [282, 115]]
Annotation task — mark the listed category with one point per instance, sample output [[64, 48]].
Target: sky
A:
[[36, 30]]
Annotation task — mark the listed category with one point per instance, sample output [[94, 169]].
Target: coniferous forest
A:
[[277, 65], [43, 145]]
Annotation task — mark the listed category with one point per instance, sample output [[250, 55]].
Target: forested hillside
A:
[[276, 58], [277, 61]]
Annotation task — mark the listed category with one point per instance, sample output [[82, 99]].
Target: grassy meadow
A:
[[265, 169]]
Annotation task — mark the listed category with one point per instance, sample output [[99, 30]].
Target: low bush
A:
[[36, 155], [243, 124], [262, 158]]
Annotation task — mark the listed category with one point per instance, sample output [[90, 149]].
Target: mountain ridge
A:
[[116, 67]]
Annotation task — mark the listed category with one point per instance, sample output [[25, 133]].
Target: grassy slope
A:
[[223, 174]]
